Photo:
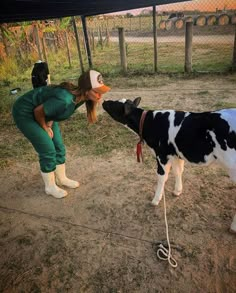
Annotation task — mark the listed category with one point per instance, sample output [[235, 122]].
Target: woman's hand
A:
[[50, 132], [39, 116]]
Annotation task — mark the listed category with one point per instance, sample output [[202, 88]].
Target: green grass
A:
[[99, 138], [87, 139], [224, 105]]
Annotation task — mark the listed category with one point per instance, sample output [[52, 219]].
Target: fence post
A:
[[44, 49], [100, 37], [188, 47], [234, 52], [37, 41], [68, 48], [78, 45], [155, 37], [123, 58]]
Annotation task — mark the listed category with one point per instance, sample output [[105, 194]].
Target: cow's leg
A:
[[162, 176], [178, 168], [232, 174], [233, 225]]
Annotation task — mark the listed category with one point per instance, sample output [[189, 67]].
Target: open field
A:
[[228, 39], [103, 237]]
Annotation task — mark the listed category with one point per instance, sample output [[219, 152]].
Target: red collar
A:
[[139, 144], [141, 122]]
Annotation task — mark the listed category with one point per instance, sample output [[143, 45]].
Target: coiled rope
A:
[[164, 253]]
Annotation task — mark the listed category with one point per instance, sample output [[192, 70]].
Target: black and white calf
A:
[[175, 136]]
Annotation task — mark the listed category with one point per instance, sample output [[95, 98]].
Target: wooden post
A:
[[78, 45], [68, 48], [107, 36], [155, 36], [37, 40], [100, 37], [188, 47], [5, 41], [93, 40], [44, 49], [123, 58], [234, 52]]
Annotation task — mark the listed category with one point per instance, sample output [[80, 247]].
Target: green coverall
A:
[[58, 105]]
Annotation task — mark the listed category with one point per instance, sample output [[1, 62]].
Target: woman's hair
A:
[[79, 91]]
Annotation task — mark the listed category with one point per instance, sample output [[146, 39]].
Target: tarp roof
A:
[[23, 10]]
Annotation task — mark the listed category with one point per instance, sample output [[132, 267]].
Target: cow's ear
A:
[[137, 101]]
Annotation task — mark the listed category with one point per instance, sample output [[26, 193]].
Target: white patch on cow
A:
[[209, 159], [229, 115], [225, 157], [161, 111], [122, 101], [173, 130]]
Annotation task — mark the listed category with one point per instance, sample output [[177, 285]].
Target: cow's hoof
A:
[[177, 193], [233, 225], [155, 203], [232, 231]]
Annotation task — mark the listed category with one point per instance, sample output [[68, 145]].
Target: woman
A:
[[37, 113]]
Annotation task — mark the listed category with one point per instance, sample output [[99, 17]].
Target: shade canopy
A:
[[26, 10]]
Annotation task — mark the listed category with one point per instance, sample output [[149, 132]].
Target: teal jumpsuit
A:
[[58, 105]]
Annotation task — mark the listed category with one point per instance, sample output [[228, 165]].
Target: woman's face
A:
[[93, 96]]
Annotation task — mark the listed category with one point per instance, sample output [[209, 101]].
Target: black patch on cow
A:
[[221, 128], [194, 140], [179, 116], [160, 170], [155, 133], [231, 140]]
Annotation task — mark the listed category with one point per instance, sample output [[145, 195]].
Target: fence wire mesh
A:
[[212, 45], [212, 48]]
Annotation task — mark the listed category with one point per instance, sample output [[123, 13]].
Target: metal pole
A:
[[155, 37], [83, 19], [78, 45]]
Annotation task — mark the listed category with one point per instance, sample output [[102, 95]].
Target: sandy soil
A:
[[103, 237]]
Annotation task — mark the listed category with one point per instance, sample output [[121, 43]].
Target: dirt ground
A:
[[103, 236]]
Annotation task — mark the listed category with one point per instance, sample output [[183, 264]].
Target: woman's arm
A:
[[39, 116]]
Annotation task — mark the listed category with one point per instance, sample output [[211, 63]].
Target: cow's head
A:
[[120, 110]]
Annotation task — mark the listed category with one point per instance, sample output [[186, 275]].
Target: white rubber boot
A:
[[62, 179], [50, 186], [233, 225]]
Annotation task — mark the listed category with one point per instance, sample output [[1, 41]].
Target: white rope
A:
[[162, 250]]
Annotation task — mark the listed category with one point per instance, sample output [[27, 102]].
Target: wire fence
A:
[[212, 47]]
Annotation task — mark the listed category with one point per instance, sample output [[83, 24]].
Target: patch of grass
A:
[[224, 105], [202, 93], [25, 241], [97, 139]]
